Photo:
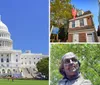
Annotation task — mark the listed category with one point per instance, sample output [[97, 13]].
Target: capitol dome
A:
[[5, 40], [3, 26]]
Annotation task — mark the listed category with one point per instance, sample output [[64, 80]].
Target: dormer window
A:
[[80, 12]]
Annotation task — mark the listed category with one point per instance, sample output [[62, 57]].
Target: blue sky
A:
[[27, 21], [86, 5]]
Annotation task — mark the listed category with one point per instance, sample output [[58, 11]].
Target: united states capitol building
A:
[[14, 62]]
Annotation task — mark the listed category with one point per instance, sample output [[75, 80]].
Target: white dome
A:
[[5, 40], [3, 26]]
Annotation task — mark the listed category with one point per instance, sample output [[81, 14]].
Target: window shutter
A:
[[75, 23], [85, 21], [70, 25], [78, 23]]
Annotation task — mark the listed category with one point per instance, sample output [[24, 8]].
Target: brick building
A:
[[82, 29]]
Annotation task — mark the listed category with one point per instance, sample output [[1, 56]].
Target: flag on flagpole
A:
[[74, 13]]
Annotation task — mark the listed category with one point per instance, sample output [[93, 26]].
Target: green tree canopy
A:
[[43, 67], [88, 55], [60, 12]]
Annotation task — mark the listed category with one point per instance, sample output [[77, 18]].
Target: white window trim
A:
[[77, 23]]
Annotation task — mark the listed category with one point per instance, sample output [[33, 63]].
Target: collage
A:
[[50, 42]]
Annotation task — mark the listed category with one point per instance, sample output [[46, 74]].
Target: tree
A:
[[43, 67], [60, 12], [88, 55]]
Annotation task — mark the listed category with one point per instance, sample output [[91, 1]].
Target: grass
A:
[[23, 82]]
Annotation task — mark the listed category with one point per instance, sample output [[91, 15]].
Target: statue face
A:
[[71, 66]]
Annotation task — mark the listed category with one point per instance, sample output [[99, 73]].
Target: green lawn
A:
[[23, 82]]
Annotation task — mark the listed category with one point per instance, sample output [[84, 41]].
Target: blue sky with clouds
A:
[[86, 5], [27, 21]]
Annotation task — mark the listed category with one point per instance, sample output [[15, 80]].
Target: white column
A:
[[4, 43]]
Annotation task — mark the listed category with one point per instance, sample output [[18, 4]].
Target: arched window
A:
[[3, 70], [8, 71]]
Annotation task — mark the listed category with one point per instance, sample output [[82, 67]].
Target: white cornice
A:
[[9, 51], [81, 17]]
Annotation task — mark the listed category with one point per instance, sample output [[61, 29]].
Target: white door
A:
[[90, 37], [75, 37]]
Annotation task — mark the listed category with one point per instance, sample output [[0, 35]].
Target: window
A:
[[16, 60], [7, 54], [13, 70], [7, 60], [81, 22], [73, 24], [7, 65], [1, 59], [3, 71], [16, 55], [80, 13], [2, 65]]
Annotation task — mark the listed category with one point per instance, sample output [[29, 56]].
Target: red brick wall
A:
[[89, 21], [70, 37], [82, 37]]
